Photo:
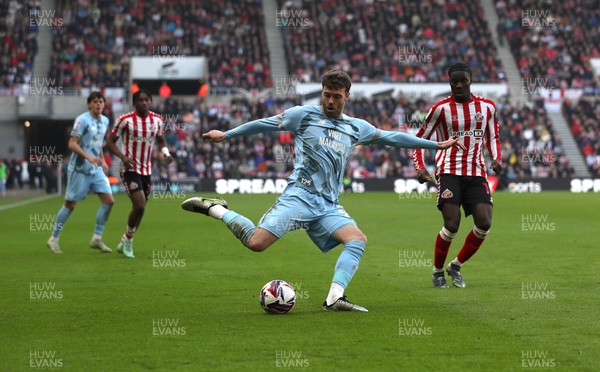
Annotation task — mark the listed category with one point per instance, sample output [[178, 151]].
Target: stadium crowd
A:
[[552, 41], [96, 43], [400, 41], [19, 44], [584, 119]]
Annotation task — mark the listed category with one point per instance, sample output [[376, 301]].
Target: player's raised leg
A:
[[256, 239]]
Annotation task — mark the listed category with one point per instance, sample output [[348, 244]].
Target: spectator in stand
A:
[[584, 118], [553, 41], [92, 47], [400, 41], [19, 45]]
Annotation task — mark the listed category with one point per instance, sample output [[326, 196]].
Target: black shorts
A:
[[136, 182], [463, 190]]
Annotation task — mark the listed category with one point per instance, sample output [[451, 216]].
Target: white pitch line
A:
[[28, 201]]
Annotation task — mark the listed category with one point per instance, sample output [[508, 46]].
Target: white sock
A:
[[436, 270], [336, 291], [96, 236], [53, 238], [217, 211], [456, 262]]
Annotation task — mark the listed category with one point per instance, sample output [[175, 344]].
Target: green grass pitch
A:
[[189, 300]]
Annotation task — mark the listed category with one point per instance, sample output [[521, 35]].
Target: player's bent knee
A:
[[452, 227], [484, 226], [362, 237], [257, 245]]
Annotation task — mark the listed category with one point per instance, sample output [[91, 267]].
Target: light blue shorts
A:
[[79, 184], [298, 209]]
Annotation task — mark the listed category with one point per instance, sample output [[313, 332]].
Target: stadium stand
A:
[[19, 45], [94, 47], [400, 41], [584, 119], [553, 41]]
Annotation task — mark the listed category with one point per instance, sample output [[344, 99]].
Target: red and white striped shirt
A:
[[138, 135], [474, 122]]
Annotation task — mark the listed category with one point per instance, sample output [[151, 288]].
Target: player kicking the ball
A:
[[461, 173], [87, 170], [325, 138], [139, 129]]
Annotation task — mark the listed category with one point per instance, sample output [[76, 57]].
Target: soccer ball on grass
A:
[[277, 297]]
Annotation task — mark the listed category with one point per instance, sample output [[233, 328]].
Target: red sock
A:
[[441, 251], [472, 244]]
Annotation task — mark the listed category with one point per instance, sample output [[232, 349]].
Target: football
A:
[[277, 297]]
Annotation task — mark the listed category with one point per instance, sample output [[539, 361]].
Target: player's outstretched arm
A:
[[405, 140], [453, 142], [215, 136]]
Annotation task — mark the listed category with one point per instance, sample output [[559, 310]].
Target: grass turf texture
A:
[[106, 316]]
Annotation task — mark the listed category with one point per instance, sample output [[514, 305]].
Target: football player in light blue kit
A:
[[87, 170], [324, 139]]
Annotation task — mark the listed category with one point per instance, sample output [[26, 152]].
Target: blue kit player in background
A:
[[324, 139], [87, 171]]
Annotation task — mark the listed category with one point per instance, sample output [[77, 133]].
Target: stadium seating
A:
[[584, 119], [19, 45], [530, 148], [553, 41], [94, 46], [400, 41]]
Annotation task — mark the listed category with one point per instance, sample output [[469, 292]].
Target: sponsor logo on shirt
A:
[[477, 133], [142, 139]]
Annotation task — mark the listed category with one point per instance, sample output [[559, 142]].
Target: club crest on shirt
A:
[[478, 116], [133, 186], [447, 194]]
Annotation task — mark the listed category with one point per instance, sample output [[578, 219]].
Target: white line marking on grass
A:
[[28, 201]]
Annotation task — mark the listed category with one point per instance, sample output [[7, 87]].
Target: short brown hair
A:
[[95, 95], [337, 79]]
